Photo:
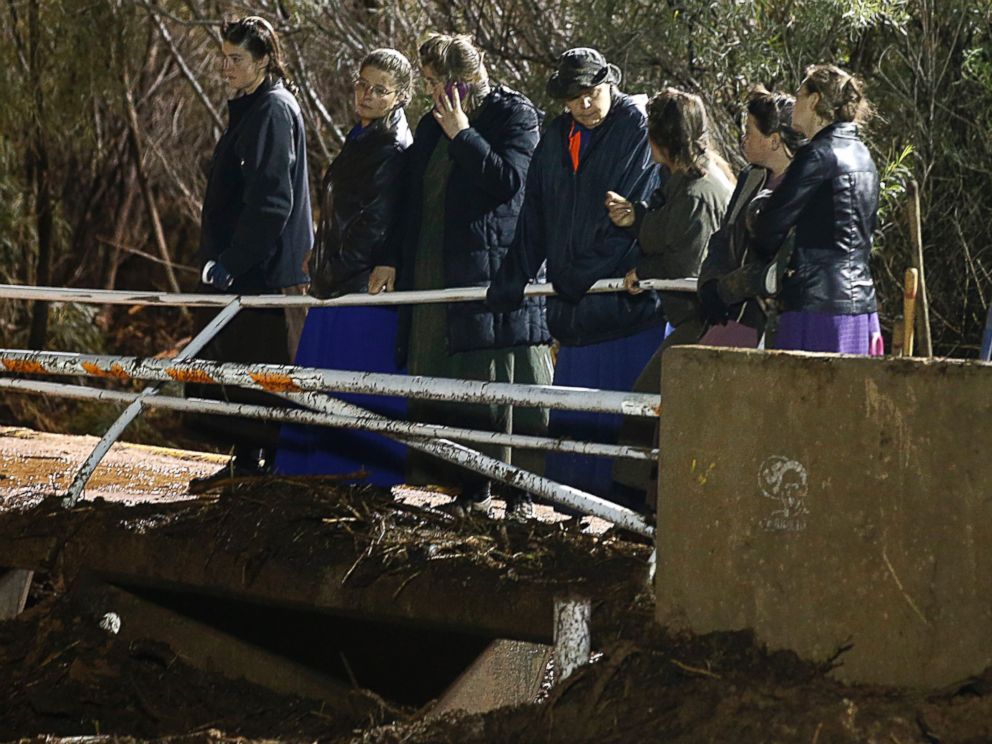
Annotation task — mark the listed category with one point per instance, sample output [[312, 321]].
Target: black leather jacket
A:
[[830, 195], [360, 205]]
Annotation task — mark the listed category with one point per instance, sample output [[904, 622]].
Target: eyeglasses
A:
[[364, 86]]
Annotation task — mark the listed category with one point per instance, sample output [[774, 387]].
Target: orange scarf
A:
[[574, 146]]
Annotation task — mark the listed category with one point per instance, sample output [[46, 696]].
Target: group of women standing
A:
[[479, 196]]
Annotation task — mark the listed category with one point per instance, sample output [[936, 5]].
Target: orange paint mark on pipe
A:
[[116, 371], [189, 375], [24, 366], [275, 383]]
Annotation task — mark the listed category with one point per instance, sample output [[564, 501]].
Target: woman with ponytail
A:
[[673, 229], [828, 200], [468, 166], [360, 197], [256, 230]]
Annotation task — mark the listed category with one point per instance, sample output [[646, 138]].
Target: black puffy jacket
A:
[[256, 218], [830, 195], [482, 201], [565, 223], [361, 196]]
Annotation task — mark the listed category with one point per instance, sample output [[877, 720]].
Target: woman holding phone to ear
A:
[[467, 170]]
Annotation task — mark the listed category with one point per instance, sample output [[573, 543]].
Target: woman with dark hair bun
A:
[[732, 279], [361, 197], [829, 198], [256, 231]]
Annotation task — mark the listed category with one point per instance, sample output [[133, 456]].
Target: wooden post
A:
[[14, 587], [916, 237], [910, 287], [898, 329]]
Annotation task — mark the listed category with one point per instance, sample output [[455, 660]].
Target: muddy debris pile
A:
[[66, 672]]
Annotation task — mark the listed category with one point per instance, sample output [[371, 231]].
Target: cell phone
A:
[[452, 86]]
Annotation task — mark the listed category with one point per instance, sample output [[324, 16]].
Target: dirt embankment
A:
[[63, 675]]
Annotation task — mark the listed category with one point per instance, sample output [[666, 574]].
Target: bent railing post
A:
[[493, 469], [194, 347]]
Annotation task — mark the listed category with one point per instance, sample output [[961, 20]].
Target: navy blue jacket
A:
[[830, 195], [565, 223], [482, 202], [256, 218]]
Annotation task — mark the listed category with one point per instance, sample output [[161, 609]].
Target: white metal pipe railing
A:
[[490, 467], [307, 417], [494, 469], [166, 299], [129, 414], [287, 378]]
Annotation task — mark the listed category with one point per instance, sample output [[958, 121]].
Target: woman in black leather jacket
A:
[[730, 280], [829, 198], [360, 198]]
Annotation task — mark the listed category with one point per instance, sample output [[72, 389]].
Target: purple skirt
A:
[[840, 334]]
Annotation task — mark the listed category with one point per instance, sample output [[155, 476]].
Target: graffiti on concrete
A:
[[784, 481]]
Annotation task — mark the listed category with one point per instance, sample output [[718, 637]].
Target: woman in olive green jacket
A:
[[673, 230]]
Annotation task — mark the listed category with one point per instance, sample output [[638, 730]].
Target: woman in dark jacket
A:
[[598, 144], [256, 229], [732, 281], [468, 166], [360, 202], [829, 197]]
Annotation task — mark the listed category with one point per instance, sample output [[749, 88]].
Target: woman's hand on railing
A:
[[382, 279], [631, 283]]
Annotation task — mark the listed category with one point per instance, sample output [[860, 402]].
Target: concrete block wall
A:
[[825, 500]]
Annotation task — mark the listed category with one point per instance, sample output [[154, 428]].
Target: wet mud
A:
[[65, 674]]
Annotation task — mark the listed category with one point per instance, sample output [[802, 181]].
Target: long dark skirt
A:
[[611, 365], [361, 339], [254, 336]]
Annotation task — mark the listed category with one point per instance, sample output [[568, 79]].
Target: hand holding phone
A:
[[448, 109], [453, 85]]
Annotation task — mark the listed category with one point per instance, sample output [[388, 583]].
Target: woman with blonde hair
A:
[[468, 167]]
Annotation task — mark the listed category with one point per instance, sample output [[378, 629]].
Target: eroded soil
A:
[[63, 675]]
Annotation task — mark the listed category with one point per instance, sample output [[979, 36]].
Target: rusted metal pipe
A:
[[367, 422], [289, 379], [340, 411], [194, 347]]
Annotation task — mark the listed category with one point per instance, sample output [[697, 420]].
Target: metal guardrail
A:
[[275, 378], [165, 299], [305, 385]]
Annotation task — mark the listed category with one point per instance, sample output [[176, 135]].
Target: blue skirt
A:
[[360, 339], [611, 365]]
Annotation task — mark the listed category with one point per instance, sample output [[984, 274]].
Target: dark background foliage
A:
[[112, 108]]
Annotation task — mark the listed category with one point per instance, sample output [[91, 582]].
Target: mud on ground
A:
[[63, 675]]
